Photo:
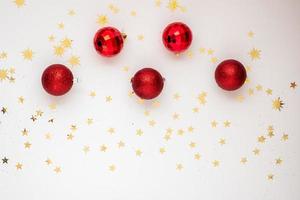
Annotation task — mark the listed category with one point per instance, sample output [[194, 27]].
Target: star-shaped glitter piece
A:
[[89, 121], [108, 99], [270, 177], [191, 129], [202, 50], [244, 160], [222, 141], [57, 169], [167, 137], [152, 123], [269, 91], [73, 127], [113, 8], [179, 166], [180, 132], [227, 123], [27, 145], [112, 168], [70, 136], [59, 51], [162, 150], [111, 131], [48, 161], [86, 149], [71, 12], [103, 148], [293, 85], [256, 151], [214, 124], [27, 54], [215, 163], [24, 132], [3, 74], [202, 98], [210, 52], [175, 116], [121, 144], [92, 94], [74, 61], [213, 59], [250, 91], [19, 3], [277, 104], [51, 38], [139, 132], [140, 37], [52, 106], [197, 156], [3, 55], [19, 166], [255, 54], [21, 99], [33, 118], [250, 34], [261, 139], [138, 152], [285, 137], [66, 43], [61, 25], [173, 5], [278, 161], [102, 20], [5, 160], [4, 110], [195, 110], [48, 136], [192, 145]]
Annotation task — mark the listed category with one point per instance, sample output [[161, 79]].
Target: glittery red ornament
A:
[[177, 37], [108, 41], [57, 79], [147, 83], [230, 74]]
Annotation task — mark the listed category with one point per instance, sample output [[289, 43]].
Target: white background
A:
[[219, 25]]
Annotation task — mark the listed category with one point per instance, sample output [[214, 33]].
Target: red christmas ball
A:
[[230, 75], [177, 37], [108, 41], [147, 83], [57, 79]]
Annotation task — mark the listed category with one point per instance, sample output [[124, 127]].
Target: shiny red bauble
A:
[[57, 79], [108, 41], [230, 74], [147, 83], [177, 37]]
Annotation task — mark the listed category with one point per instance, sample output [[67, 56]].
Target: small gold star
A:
[[21, 99], [244, 160], [92, 93], [133, 13], [278, 161], [180, 132], [24, 132], [39, 113], [179, 166], [195, 110], [259, 87], [192, 145], [48, 136], [227, 123], [175, 116], [256, 151], [4, 110], [3, 74], [173, 5], [278, 104], [48, 161], [86, 149], [27, 54], [3, 55], [202, 50], [70, 136], [52, 106], [73, 127], [112, 168], [222, 141], [240, 98], [167, 137], [250, 34], [293, 85], [270, 177], [213, 59], [111, 131], [140, 37], [71, 13], [121, 144], [102, 20], [89, 121], [66, 43], [202, 98], [138, 152], [108, 99], [59, 51], [74, 61], [146, 112], [33, 118], [103, 148], [214, 124], [19, 3], [197, 156], [250, 91], [285, 137], [61, 25], [162, 150], [269, 91], [210, 52], [255, 54], [27, 145], [190, 129], [19, 166], [57, 169], [152, 123], [51, 38], [215, 163], [261, 139]]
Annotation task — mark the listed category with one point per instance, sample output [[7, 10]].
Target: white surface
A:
[[219, 25]]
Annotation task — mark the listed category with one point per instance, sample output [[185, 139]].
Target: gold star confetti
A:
[[278, 161], [215, 163], [202, 50], [227, 123], [92, 93], [27, 54], [250, 34], [140, 37], [152, 123], [293, 85], [74, 61], [210, 52], [108, 99], [113, 8], [121, 144], [180, 132], [244, 160], [51, 38], [4, 110], [21, 99], [102, 20], [48, 136], [19, 166], [112, 168], [261, 139], [19, 3], [250, 91], [48, 161], [24, 132], [3, 74], [59, 51], [66, 43], [192, 145], [162, 150], [133, 13], [3, 55], [175, 116], [277, 104], [255, 54], [146, 112], [190, 129], [57, 169], [214, 124], [103, 148], [138, 152], [111, 131], [179, 166], [197, 156], [240, 98], [270, 177], [256, 151], [202, 98], [71, 12], [27, 145], [213, 60], [61, 25], [269, 91], [222, 141], [86, 149], [52, 106], [285, 137], [89, 121], [70, 136]]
